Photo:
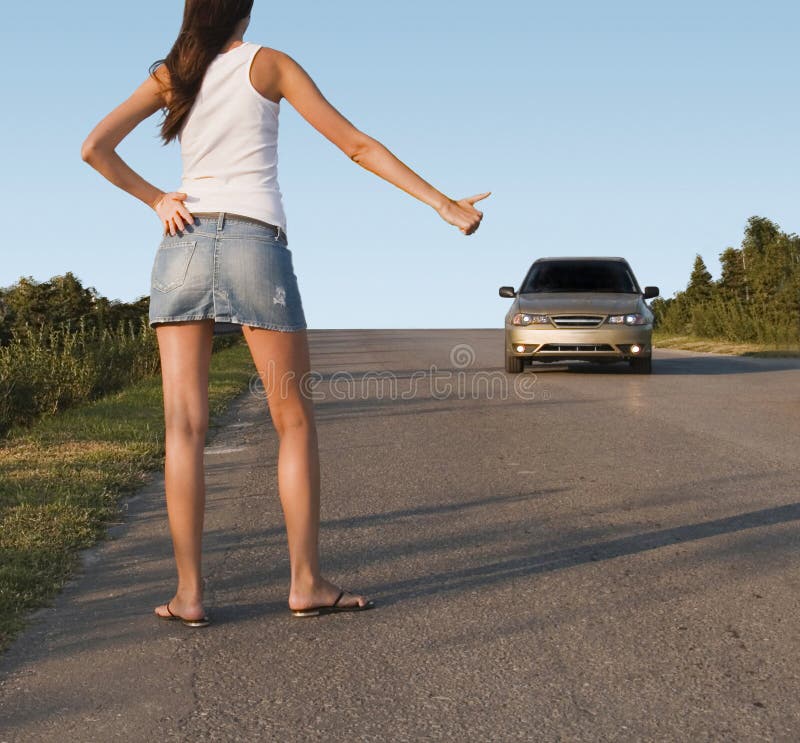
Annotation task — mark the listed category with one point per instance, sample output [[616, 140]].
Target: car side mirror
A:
[[507, 292], [651, 291]]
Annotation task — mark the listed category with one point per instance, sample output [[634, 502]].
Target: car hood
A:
[[556, 303]]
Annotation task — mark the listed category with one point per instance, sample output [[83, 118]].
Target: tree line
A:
[[756, 298], [62, 302]]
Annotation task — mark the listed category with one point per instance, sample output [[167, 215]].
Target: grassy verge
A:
[[61, 480], [710, 345]]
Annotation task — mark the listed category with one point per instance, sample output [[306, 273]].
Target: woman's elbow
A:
[[360, 147], [90, 150]]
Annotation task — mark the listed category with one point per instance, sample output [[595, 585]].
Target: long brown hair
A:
[[207, 26]]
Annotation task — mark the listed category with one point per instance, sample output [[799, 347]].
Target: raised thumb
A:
[[479, 197]]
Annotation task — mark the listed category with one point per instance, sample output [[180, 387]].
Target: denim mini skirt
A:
[[229, 268]]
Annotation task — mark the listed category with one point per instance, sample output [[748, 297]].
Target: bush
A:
[[49, 369], [744, 322]]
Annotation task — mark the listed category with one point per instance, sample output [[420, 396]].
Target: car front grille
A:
[[577, 321], [577, 348]]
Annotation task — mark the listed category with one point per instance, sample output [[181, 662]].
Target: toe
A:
[[359, 599]]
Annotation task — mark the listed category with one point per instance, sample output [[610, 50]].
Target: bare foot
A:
[[322, 593], [185, 609]]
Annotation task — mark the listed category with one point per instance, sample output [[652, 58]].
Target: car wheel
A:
[[514, 364], [643, 365]]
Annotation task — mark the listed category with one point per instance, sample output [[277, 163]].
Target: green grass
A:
[[713, 345], [63, 478]]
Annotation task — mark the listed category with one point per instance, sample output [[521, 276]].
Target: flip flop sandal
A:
[[204, 622], [334, 608]]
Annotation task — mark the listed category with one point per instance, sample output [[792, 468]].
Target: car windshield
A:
[[580, 276]]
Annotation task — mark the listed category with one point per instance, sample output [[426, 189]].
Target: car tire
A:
[[643, 365], [514, 364]]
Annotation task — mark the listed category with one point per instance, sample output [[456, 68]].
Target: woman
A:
[[223, 264]]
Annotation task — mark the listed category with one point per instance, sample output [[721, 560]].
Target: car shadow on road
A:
[[683, 366]]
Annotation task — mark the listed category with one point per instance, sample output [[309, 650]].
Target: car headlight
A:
[[632, 319], [523, 318]]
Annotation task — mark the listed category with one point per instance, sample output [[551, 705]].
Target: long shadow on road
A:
[[485, 573], [474, 576]]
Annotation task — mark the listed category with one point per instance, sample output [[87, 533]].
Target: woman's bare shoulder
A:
[[270, 53], [266, 72], [277, 59]]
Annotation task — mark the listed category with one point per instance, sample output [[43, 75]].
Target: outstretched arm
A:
[[300, 90], [99, 150]]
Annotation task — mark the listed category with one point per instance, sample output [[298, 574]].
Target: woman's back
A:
[[229, 143]]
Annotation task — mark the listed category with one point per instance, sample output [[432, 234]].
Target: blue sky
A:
[[617, 128]]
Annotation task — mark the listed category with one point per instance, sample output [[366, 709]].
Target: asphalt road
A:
[[583, 555]]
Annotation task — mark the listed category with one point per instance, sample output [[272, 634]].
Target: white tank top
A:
[[229, 143]]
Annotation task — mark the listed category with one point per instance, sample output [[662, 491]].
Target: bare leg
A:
[[185, 350], [282, 358]]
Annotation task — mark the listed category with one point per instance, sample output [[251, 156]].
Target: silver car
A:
[[590, 309]]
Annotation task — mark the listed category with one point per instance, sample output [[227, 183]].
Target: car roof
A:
[[582, 258]]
